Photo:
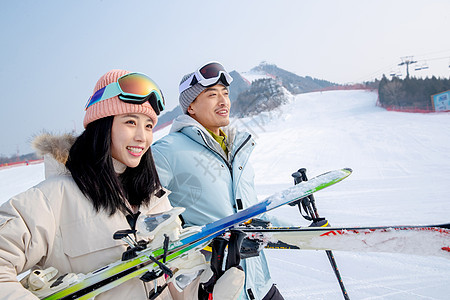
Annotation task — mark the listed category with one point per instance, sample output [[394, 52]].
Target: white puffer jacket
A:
[[54, 224]]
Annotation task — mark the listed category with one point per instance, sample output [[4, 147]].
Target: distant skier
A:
[[66, 222], [205, 164]]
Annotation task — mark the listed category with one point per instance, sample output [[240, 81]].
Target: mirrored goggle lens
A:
[[137, 84], [211, 70]]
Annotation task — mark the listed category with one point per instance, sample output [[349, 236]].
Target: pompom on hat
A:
[[114, 106]]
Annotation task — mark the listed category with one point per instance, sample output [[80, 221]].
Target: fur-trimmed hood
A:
[[55, 149]]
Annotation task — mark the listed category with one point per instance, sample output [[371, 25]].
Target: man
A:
[[206, 164]]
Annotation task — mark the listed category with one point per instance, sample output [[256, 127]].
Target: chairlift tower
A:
[[407, 60]]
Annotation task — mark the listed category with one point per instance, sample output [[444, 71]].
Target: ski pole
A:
[[309, 205]]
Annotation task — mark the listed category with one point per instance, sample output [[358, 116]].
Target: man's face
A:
[[212, 108]]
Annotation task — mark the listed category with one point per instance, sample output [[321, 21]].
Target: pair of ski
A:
[[429, 240], [148, 260]]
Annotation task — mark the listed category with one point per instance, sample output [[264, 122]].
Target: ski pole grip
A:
[[234, 248], [297, 177], [218, 246], [303, 172]]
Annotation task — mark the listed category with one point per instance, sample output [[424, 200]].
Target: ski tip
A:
[[348, 169]]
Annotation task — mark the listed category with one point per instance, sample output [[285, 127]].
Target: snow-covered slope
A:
[[401, 165]]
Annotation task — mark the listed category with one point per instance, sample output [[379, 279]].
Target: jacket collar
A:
[[195, 131]]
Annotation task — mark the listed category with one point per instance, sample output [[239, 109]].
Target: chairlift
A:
[[424, 66]]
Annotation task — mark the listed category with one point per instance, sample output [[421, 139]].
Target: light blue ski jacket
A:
[[210, 184]]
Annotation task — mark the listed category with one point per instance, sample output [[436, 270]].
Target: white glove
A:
[[192, 270], [189, 268], [43, 283], [230, 284]]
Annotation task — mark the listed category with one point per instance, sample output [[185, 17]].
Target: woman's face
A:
[[131, 136]]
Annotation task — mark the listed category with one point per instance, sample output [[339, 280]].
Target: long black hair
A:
[[90, 163]]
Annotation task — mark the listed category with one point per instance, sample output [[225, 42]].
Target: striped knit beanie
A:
[[114, 106], [189, 95]]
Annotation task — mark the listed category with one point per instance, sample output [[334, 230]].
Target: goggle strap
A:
[[91, 100], [111, 90], [194, 80], [186, 84], [107, 92]]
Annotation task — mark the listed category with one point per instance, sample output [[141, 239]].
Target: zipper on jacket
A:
[[229, 165], [241, 146]]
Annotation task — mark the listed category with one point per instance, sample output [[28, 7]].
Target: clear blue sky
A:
[[53, 52]]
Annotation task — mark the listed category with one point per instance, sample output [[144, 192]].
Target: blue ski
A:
[[148, 259]]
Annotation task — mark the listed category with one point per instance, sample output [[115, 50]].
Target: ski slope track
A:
[[401, 173]]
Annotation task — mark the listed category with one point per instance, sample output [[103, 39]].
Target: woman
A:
[[67, 221]]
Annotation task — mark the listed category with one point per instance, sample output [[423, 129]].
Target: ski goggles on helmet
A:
[[207, 75], [134, 88]]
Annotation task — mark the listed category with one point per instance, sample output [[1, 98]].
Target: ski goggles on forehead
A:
[[134, 88], [207, 75]]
